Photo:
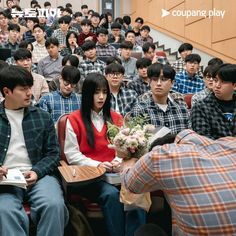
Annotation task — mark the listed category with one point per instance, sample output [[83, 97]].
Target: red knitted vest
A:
[[100, 152]]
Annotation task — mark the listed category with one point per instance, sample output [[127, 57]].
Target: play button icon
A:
[[164, 13]]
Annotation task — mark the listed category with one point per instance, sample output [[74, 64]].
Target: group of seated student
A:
[[80, 71]]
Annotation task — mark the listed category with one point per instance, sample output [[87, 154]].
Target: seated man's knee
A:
[[111, 194]]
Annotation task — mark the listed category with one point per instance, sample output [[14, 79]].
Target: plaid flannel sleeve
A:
[[50, 151], [199, 120]]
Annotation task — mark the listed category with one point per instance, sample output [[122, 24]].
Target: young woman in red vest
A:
[[86, 144]]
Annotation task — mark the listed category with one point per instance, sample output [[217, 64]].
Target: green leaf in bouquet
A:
[[112, 131]]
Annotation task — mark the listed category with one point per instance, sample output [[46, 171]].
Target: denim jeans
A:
[[118, 223], [47, 208]]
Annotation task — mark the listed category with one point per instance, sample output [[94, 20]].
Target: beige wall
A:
[[215, 36]]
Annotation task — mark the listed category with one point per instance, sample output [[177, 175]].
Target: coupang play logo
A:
[[191, 13]]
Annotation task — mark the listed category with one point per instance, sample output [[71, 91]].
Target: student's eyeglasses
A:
[[161, 78], [68, 83], [117, 74]]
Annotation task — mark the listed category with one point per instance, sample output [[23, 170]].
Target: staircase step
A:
[[171, 56]]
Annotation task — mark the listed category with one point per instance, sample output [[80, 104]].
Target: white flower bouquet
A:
[[131, 140]]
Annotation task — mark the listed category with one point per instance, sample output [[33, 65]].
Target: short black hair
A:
[[119, 20], [46, 4], [145, 27], [90, 12], [12, 76], [143, 63], [67, 9], [114, 67], [68, 5], [13, 27], [115, 25], [193, 58], [155, 69], [74, 60], [85, 22], [70, 74], [95, 14], [39, 26], [102, 31], [65, 19], [16, 7], [88, 45], [33, 2], [84, 6], [6, 14], [127, 45], [128, 32], [25, 43], [113, 59], [148, 45], [51, 40], [215, 61], [185, 47], [127, 20], [209, 70], [34, 19], [227, 72], [22, 53], [78, 13]]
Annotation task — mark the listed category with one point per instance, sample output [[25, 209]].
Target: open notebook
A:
[[15, 178]]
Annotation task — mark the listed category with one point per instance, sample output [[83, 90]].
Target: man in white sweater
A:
[[29, 144]]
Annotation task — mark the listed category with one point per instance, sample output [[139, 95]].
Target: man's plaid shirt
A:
[[141, 41], [200, 95], [126, 100], [56, 104], [176, 116], [61, 36], [40, 139], [106, 50], [179, 66], [67, 51], [9, 45], [198, 178], [87, 66], [208, 119], [185, 84], [139, 85]]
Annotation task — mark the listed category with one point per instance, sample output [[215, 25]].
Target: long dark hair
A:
[[68, 36], [93, 82]]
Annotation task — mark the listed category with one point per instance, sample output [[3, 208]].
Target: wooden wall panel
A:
[[227, 47], [154, 15], [175, 24], [202, 36], [225, 28], [169, 4], [202, 5]]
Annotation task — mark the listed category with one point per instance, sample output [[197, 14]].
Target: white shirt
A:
[[17, 155]]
